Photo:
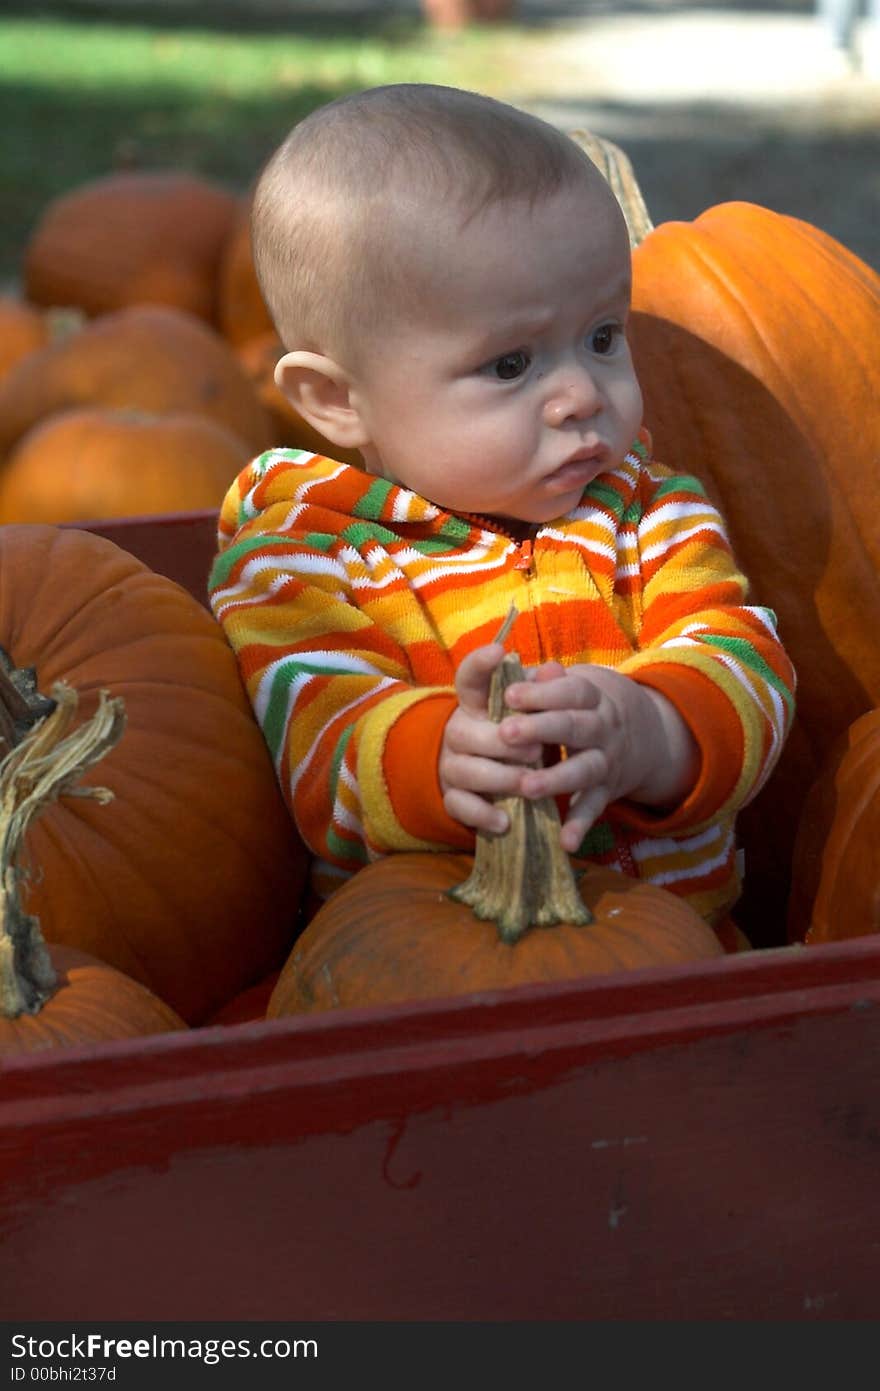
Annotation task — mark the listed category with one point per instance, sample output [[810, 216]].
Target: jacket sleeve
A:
[[337, 698], [718, 659]]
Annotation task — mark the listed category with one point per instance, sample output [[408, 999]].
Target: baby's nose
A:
[[575, 399]]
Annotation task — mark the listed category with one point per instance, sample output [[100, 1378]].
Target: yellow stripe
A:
[[749, 718], [380, 823]]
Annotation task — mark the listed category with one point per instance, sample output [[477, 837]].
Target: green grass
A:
[[80, 97]]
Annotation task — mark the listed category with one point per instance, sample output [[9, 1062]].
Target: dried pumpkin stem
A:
[[21, 704], [46, 763], [611, 161], [523, 878]]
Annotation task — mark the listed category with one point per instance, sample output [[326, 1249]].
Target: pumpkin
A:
[[96, 462], [23, 329], [147, 358], [417, 925], [50, 998], [393, 933], [756, 339], [241, 309], [258, 357], [457, 14], [131, 237], [835, 880], [248, 1006], [90, 1003], [190, 883]]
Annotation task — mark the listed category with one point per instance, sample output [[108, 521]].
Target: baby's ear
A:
[[320, 391]]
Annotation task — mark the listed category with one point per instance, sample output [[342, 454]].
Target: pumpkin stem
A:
[[611, 161], [45, 763], [523, 878], [21, 704]]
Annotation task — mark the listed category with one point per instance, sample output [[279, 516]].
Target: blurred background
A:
[[773, 101]]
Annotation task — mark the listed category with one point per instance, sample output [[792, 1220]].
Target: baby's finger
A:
[[487, 776], [553, 693], [482, 738], [475, 812], [573, 728], [473, 676], [583, 813], [579, 774]]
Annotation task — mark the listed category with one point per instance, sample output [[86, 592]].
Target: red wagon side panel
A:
[[691, 1144], [694, 1143]]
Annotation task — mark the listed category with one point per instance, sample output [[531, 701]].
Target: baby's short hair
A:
[[348, 194]]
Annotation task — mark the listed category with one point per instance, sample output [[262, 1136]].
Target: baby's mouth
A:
[[581, 467]]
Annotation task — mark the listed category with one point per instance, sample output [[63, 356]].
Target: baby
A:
[[450, 278]]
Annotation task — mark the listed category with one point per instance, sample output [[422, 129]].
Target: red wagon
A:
[[693, 1143]]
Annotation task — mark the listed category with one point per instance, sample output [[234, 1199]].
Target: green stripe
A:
[[358, 534], [680, 483], [609, 497], [432, 545], [274, 721], [745, 653], [372, 503], [455, 529], [323, 541], [227, 559], [346, 849], [336, 764], [599, 840]]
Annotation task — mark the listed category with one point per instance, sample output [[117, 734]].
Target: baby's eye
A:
[[511, 365], [603, 338]]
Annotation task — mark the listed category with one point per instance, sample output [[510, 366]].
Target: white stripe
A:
[[442, 571], [661, 547], [316, 662], [673, 511], [408, 506], [346, 819], [643, 850], [586, 543], [297, 774], [290, 565], [594, 515]]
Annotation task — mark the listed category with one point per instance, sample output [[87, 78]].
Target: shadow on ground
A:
[[686, 159]]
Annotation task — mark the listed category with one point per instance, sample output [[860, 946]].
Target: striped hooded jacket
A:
[[350, 601]]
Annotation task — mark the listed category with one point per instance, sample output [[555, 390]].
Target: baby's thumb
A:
[[474, 676]]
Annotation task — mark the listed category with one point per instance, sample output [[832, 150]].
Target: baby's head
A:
[[408, 239], [344, 208]]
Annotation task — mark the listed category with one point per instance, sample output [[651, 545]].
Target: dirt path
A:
[[720, 104]]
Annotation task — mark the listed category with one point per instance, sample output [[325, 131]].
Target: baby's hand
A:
[[622, 739], [476, 763]]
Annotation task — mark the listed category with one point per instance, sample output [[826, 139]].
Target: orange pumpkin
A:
[[752, 382], [96, 462], [835, 880], [131, 237], [415, 925], [147, 358], [248, 1006], [241, 309], [190, 881], [23, 329], [392, 933], [92, 1003]]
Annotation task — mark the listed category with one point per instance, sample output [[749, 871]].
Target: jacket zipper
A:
[[524, 559]]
